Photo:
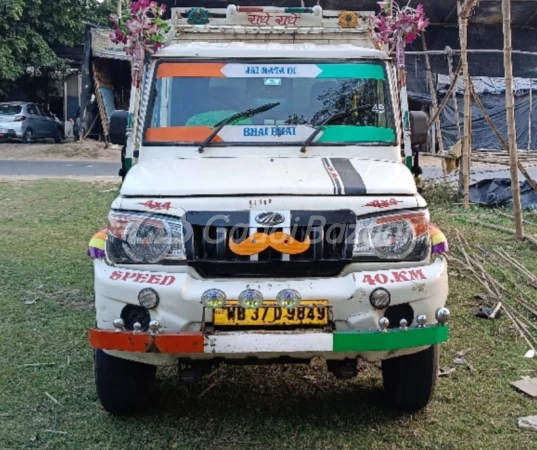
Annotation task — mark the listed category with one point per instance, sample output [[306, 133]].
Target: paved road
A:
[[59, 168], [103, 169]]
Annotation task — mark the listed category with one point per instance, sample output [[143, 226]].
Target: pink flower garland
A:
[[394, 22], [142, 25]]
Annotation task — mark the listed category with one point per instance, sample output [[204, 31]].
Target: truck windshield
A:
[[190, 99]]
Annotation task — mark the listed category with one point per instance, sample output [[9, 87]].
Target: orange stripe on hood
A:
[[180, 134], [209, 70]]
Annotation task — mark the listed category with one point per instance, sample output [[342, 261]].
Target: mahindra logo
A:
[[270, 219]]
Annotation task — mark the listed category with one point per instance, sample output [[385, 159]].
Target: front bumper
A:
[[276, 342], [183, 319]]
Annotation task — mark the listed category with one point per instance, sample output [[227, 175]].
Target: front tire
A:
[[409, 380], [123, 386]]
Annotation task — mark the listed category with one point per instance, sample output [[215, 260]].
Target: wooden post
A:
[[464, 174], [511, 127]]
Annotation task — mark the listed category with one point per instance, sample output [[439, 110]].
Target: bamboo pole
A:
[[467, 7], [432, 91], [511, 126], [464, 174], [447, 96], [530, 115], [449, 53]]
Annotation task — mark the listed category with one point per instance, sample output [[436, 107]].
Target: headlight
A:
[[139, 238], [396, 237]]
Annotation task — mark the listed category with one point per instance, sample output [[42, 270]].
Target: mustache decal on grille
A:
[[280, 241]]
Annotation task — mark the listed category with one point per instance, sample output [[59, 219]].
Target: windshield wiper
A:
[[333, 117], [238, 116]]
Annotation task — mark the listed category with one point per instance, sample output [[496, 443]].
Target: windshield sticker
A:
[[266, 134], [264, 70], [258, 134], [232, 70]]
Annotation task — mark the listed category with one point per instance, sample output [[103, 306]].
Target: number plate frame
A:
[[312, 313]]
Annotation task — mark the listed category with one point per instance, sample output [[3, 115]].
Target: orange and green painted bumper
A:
[[281, 342]]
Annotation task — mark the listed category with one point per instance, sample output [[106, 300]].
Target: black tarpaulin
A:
[[497, 192], [482, 135]]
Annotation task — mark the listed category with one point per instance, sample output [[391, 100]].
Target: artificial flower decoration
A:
[[348, 19], [394, 22], [198, 16], [439, 242], [97, 244], [141, 25]]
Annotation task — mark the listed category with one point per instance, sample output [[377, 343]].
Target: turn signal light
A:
[[20, 118]]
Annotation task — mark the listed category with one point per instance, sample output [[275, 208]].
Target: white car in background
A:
[[28, 122]]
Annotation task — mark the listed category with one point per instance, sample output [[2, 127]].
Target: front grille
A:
[[209, 253]]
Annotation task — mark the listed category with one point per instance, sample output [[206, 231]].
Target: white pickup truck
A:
[[267, 216]]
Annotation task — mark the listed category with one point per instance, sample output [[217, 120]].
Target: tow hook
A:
[[191, 373], [345, 369]]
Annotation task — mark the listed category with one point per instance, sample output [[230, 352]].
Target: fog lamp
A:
[[288, 299], [380, 298], [213, 298], [148, 298], [250, 299]]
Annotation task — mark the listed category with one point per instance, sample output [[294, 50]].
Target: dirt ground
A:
[[86, 150]]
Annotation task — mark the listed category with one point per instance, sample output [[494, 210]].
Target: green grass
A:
[[45, 227]]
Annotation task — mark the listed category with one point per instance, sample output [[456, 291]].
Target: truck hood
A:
[[267, 176]]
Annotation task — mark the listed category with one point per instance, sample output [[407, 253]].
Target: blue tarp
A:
[[497, 193]]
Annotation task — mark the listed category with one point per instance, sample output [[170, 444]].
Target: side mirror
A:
[[419, 126], [118, 127]]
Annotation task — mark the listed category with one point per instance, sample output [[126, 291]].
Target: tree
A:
[[30, 28]]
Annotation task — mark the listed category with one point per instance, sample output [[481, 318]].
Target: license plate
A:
[[309, 313]]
